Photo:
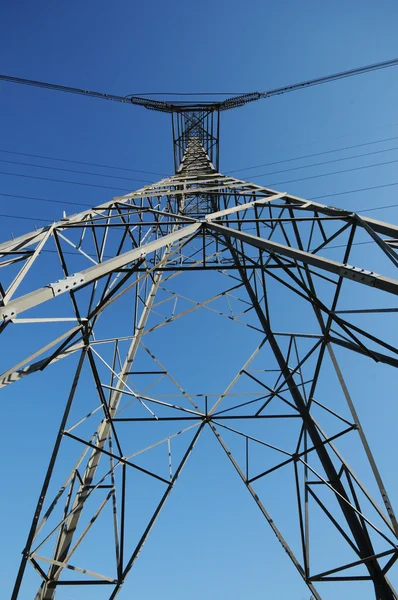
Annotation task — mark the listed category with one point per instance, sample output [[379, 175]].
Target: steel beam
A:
[[387, 284]]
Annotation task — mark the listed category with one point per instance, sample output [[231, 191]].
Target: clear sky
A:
[[224, 550]]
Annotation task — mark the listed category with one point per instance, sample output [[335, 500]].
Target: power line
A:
[[253, 176], [14, 162], [80, 162], [252, 97], [27, 218], [229, 103], [277, 162], [79, 91], [94, 185], [326, 162], [345, 245], [378, 208], [186, 94], [365, 189], [389, 162], [45, 200], [146, 181], [118, 168], [256, 176]]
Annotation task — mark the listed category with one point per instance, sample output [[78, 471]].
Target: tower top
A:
[[195, 159]]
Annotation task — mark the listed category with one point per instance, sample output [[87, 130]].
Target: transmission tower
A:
[[120, 280]]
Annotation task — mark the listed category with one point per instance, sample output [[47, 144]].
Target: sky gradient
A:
[[219, 546]]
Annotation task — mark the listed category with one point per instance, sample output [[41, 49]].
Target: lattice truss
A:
[[131, 292]]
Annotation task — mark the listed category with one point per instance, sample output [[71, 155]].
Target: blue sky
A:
[[226, 550]]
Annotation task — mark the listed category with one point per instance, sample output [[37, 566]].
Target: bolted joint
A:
[[7, 315], [68, 283]]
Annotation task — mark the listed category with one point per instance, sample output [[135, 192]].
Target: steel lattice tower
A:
[[116, 268]]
